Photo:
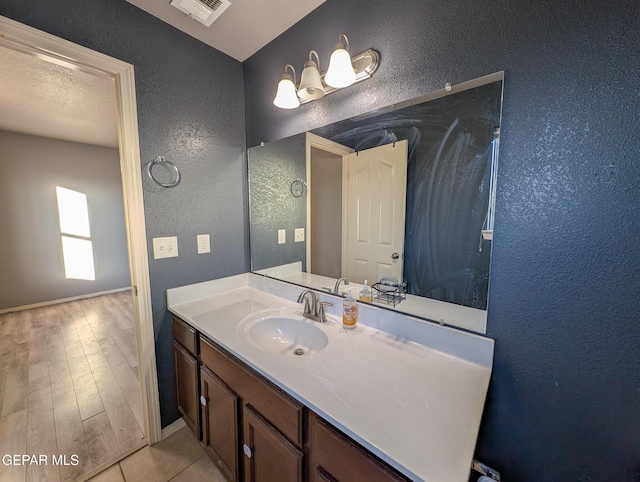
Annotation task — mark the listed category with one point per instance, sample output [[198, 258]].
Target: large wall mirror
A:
[[402, 197]]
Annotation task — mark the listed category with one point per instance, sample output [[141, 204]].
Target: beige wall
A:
[[326, 213], [31, 265]]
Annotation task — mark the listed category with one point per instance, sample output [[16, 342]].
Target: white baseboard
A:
[[173, 428], [64, 300]]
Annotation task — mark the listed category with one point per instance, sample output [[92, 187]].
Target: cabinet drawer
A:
[[334, 457], [185, 335], [282, 411]]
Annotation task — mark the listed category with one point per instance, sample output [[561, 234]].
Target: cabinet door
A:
[[319, 475], [219, 423], [186, 371], [268, 455], [335, 458]]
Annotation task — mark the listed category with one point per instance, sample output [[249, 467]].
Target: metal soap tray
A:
[[389, 291]]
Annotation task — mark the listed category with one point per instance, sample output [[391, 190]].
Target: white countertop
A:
[[415, 406]]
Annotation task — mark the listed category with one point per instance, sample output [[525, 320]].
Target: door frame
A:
[[313, 140], [26, 39]]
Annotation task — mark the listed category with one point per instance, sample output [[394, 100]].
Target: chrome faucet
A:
[[314, 310], [337, 286], [309, 308]]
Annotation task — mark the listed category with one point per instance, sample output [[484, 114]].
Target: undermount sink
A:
[[282, 331]]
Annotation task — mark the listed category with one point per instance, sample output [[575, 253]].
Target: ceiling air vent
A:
[[204, 11]]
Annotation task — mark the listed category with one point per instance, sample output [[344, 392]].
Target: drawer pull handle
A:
[[247, 450], [203, 401]]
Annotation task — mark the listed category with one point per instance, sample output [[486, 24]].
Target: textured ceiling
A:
[[44, 99], [242, 29]]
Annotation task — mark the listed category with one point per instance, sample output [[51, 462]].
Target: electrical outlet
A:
[[165, 247], [298, 235], [282, 236], [203, 244]]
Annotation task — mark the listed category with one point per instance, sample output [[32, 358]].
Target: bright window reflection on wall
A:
[[77, 249]]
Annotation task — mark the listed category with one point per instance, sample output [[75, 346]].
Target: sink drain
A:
[[298, 351]]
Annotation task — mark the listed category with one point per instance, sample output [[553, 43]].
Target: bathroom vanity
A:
[[395, 399]]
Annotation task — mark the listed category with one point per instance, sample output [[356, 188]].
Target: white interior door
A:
[[375, 212]]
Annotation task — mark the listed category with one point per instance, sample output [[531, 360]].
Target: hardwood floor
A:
[[69, 387]]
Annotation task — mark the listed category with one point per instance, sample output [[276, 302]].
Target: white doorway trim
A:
[[317, 142], [17, 36]]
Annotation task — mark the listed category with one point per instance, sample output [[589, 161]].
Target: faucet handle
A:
[[322, 311]]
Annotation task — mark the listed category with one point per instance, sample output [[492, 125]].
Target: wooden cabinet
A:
[[336, 458], [282, 411], [271, 426], [253, 430], [268, 455], [219, 423], [185, 366], [185, 335]]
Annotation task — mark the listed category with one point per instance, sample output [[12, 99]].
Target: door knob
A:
[[395, 256]]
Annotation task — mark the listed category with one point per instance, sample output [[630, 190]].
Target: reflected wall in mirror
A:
[[436, 224]]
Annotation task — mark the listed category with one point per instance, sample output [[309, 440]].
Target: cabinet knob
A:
[[247, 450], [203, 401]]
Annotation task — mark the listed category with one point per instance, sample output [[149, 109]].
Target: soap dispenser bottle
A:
[[365, 294], [349, 312]]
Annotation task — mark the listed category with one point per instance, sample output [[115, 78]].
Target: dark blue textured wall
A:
[[190, 110], [272, 168], [564, 401]]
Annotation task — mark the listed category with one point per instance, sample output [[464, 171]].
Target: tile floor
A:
[[179, 458]]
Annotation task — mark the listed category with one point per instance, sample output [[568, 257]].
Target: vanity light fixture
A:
[[340, 73], [344, 70], [287, 97], [311, 87]]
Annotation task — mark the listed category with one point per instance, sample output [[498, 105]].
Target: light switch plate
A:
[[165, 247], [282, 236], [299, 235], [204, 245]]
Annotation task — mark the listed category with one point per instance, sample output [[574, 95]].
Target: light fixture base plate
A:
[[365, 65]]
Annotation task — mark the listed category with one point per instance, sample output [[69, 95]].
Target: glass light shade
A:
[[311, 87], [340, 73], [286, 97]]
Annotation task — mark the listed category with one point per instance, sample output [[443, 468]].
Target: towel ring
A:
[[298, 188], [162, 160]]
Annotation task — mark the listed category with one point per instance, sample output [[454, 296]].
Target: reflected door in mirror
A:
[[375, 212]]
